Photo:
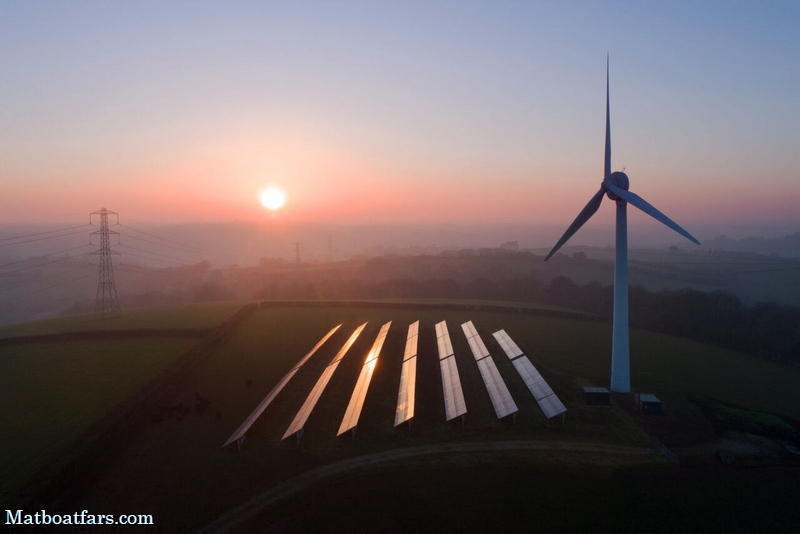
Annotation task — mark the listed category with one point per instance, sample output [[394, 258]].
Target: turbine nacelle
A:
[[619, 179]]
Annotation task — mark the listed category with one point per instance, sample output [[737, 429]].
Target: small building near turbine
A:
[[647, 404]]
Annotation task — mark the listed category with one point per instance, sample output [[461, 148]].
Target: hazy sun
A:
[[272, 198]]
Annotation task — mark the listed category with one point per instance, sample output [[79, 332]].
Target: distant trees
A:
[[769, 331], [766, 330]]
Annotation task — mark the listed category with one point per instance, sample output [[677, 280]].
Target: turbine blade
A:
[[646, 207], [607, 167], [585, 214]]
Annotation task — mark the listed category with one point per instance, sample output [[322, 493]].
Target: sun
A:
[[272, 198]]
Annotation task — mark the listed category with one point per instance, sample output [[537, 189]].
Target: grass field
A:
[[198, 316], [51, 392], [178, 471], [523, 495]]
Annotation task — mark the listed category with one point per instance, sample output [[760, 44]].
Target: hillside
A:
[[58, 377], [142, 468]]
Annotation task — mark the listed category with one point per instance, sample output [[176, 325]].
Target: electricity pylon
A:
[[106, 299]]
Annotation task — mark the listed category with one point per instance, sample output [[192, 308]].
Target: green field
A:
[[182, 316], [569, 353], [51, 392], [178, 471]]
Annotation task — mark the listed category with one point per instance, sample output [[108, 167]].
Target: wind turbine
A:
[[615, 185]]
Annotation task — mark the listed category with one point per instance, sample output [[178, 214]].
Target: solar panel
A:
[[454, 404], [498, 392], [255, 414], [305, 410], [507, 344], [408, 377], [245, 426], [378, 345], [476, 344], [353, 411], [413, 329], [551, 406], [536, 384], [541, 391], [443, 340], [411, 341], [318, 345], [469, 329], [405, 397]]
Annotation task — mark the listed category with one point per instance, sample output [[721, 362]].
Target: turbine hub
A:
[[619, 179]]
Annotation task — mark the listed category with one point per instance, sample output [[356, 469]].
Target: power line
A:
[[46, 288], [156, 259], [174, 242], [42, 238], [43, 264], [42, 233], [42, 256], [181, 249], [186, 262], [49, 218], [139, 270], [46, 277]]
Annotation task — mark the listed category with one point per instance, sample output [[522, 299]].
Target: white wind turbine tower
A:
[[615, 185]]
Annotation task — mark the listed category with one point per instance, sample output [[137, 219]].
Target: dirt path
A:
[[250, 509]]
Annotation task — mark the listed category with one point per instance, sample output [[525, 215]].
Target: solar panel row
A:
[[536, 384], [551, 406], [443, 341], [507, 344], [353, 411], [255, 414], [317, 346], [541, 391], [300, 419], [408, 378], [405, 397], [498, 392], [411, 341], [476, 344], [454, 404]]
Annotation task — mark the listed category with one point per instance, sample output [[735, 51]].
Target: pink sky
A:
[[382, 114]]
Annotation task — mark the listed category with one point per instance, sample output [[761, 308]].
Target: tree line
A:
[[766, 330]]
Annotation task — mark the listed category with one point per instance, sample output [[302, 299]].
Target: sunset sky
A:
[[396, 112]]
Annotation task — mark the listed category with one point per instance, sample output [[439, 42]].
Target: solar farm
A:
[[322, 403], [455, 405]]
